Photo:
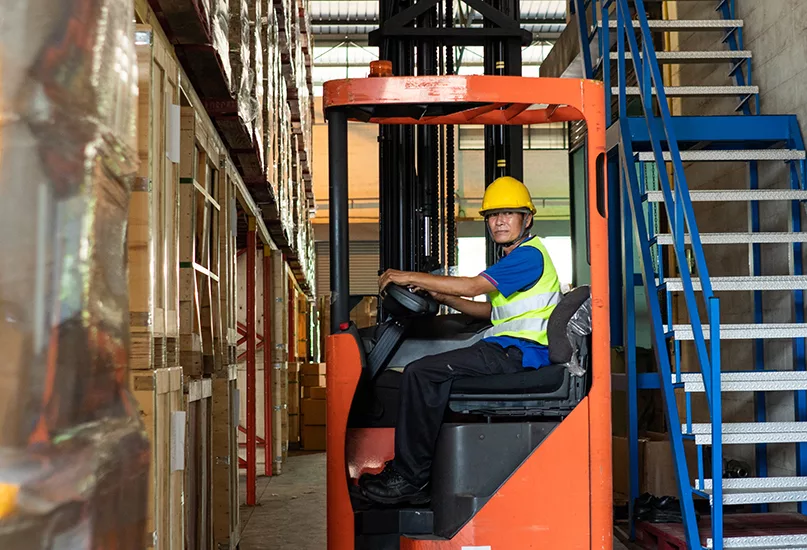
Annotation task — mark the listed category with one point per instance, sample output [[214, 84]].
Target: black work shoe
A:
[[390, 488]]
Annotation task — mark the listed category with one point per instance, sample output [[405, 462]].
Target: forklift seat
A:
[[552, 390]]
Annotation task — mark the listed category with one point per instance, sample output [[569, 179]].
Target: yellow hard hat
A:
[[506, 193]]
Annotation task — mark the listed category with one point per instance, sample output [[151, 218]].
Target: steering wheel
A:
[[402, 302]]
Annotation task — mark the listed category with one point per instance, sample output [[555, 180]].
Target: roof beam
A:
[[360, 39], [345, 22]]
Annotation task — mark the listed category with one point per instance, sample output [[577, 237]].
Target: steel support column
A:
[[268, 349], [251, 340]]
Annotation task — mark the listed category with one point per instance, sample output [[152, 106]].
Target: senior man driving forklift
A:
[[523, 288]]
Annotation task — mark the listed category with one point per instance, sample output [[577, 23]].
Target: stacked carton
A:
[[294, 403], [312, 409]]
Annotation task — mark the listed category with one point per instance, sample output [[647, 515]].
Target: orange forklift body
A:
[[560, 497]]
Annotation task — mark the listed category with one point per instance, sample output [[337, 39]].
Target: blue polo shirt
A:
[[519, 270]]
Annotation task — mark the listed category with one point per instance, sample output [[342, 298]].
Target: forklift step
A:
[[675, 25], [728, 156], [744, 433], [695, 91], [739, 238], [405, 521], [750, 331], [761, 282], [759, 490], [748, 381], [777, 542], [676, 58]]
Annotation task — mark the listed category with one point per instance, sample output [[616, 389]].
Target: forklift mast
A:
[[417, 223]]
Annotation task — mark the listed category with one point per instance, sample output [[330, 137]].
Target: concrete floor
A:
[[290, 514]]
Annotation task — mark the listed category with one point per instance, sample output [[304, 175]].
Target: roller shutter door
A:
[[363, 267]]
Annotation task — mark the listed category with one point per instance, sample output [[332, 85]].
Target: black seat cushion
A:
[[544, 380], [560, 349]]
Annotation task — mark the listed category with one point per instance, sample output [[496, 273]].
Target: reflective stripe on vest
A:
[[526, 314], [531, 303]]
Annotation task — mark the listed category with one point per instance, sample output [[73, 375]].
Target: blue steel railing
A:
[[681, 217]]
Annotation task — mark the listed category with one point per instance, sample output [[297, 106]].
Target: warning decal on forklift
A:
[[475, 548]]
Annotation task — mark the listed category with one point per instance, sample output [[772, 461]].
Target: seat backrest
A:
[[560, 348]]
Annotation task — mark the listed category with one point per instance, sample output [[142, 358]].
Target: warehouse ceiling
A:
[[341, 27]]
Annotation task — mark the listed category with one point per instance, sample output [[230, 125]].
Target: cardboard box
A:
[[314, 412], [313, 369], [294, 368], [313, 438], [314, 392], [294, 428], [309, 380], [656, 467], [294, 400]]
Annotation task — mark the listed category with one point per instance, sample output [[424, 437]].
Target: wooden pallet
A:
[[670, 536]]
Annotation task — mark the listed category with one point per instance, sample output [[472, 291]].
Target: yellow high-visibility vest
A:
[[525, 314]]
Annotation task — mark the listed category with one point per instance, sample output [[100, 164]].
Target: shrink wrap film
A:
[[73, 455]]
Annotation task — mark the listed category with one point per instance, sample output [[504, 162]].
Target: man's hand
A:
[[402, 278]]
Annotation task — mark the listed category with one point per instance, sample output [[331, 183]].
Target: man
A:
[[523, 288]]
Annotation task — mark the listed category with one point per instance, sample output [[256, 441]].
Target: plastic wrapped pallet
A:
[[220, 31], [243, 74], [73, 456], [257, 49], [272, 91]]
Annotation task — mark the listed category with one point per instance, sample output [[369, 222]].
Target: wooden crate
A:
[[161, 403], [226, 505], [279, 415], [280, 315], [153, 238], [199, 301], [284, 423], [198, 465]]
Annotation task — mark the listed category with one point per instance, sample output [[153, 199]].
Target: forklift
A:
[[523, 461]]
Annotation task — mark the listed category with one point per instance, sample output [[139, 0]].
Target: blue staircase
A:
[[650, 154]]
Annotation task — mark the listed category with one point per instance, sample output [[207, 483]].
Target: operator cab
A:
[[522, 460], [494, 421]]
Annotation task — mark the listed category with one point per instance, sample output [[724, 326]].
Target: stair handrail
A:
[[677, 200], [680, 212]]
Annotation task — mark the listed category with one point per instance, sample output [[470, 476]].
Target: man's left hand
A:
[[402, 278]]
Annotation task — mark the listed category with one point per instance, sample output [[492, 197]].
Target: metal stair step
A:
[[731, 155], [675, 58], [760, 282], [695, 91], [739, 238], [674, 25], [751, 331], [759, 490], [775, 542], [740, 195], [744, 433], [747, 381]]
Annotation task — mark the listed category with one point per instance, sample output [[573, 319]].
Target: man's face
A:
[[505, 226]]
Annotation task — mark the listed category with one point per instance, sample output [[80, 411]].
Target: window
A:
[[471, 257], [537, 137]]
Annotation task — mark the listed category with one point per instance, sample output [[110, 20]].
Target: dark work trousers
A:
[[425, 390]]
